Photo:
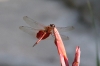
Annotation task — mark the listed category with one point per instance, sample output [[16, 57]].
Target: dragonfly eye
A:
[[52, 25]]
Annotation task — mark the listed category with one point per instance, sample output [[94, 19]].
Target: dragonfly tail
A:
[[39, 39], [34, 44]]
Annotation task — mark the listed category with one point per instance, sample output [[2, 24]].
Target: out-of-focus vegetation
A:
[[86, 8], [96, 40], [83, 10]]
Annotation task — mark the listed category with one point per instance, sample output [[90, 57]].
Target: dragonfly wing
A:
[[33, 32], [52, 37], [29, 30], [64, 37], [64, 29], [33, 23]]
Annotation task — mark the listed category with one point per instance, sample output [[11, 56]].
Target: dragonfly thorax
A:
[[49, 29]]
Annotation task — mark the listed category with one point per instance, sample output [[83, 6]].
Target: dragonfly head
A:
[[52, 25]]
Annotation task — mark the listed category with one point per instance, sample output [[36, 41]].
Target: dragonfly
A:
[[42, 32]]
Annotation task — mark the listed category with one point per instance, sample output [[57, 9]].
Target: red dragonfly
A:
[[41, 31]]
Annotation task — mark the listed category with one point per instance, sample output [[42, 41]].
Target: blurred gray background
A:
[[16, 46]]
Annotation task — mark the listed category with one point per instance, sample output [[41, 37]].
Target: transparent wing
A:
[[62, 36], [29, 30], [52, 37], [33, 32], [64, 29], [33, 23]]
